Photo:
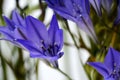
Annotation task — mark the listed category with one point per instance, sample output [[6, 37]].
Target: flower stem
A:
[[113, 38], [63, 73], [67, 26]]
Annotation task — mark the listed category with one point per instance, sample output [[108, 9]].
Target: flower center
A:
[[49, 50], [116, 72]]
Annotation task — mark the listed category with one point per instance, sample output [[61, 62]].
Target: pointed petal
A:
[[36, 29], [59, 38], [52, 30], [17, 19], [101, 68], [112, 58], [86, 25], [97, 6], [9, 23]]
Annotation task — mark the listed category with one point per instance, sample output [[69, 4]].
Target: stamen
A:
[[43, 48]]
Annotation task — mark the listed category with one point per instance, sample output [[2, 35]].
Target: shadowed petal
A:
[[101, 68], [86, 25], [117, 20]]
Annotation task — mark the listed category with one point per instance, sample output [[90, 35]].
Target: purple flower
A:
[[14, 29], [43, 43], [75, 10], [97, 6], [107, 4], [110, 69]]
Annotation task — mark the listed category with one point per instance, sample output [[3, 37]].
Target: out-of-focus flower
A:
[[107, 4], [97, 6], [75, 10], [14, 29], [43, 43], [110, 69], [117, 20]]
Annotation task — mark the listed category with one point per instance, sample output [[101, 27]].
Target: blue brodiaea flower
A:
[[43, 43], [75, 10], [14, 29], [110, 69]]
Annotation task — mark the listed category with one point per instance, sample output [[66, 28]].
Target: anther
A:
[[43, 48]]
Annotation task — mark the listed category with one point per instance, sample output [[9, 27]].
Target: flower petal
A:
[[10, 23], [52, 29], [100, 67], [20, 33], [86, 25], [109, 78], [36, 29], [49, 58], [112, 58], [17, 19], [59, 38], [28, 45], [7, 33]]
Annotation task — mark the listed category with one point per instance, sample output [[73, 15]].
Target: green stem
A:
[[63, 73], [67, 26], [113, 38]]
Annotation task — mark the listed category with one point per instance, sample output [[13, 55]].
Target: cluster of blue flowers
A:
[[32, 35]]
